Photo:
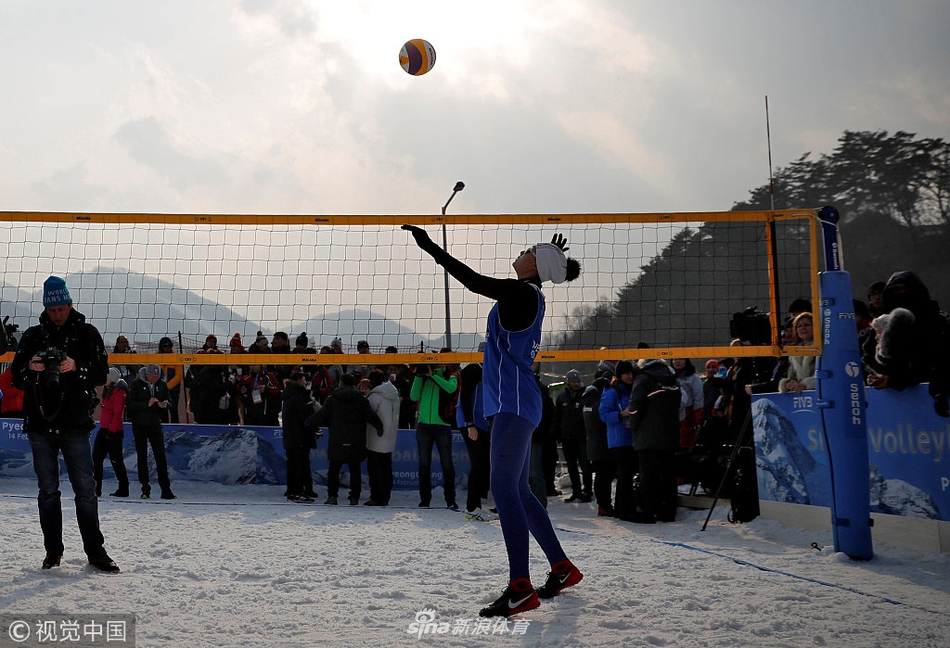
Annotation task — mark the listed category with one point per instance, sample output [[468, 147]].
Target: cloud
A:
[[147, 142]]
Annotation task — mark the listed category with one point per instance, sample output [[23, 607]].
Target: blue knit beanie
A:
[[55, 292]]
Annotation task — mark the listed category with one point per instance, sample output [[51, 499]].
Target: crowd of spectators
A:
[[904, 339]]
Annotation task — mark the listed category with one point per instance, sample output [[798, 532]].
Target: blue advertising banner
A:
[[238, 455], [908, 446]]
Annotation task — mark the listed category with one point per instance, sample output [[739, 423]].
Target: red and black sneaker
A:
[[518, 597], [563, 574]]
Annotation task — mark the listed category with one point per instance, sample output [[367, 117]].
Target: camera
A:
[[7, 341], [51, 359], [751, 325], [423, 370]]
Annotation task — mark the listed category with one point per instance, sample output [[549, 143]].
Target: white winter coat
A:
[[384, 400]]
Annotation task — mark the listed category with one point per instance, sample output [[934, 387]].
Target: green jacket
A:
[[425, 391]]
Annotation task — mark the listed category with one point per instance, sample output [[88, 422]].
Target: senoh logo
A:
[[856, 410], [852, 369]]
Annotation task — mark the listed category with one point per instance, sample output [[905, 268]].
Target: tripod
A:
[[740, 442]]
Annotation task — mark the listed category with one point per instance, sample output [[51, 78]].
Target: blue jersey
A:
[[508, 379]]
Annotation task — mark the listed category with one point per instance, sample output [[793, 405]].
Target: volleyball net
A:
[[671, 282]]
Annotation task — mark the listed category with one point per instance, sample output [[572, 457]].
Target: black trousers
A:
[[356, 478], [109, 444], [575, 456], [625, 505], [658, 483], [145, 436], [605, 471], [298, 470], [379, 467], [479, 474]]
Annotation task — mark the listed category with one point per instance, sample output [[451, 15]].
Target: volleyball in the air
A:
[[417, 57]]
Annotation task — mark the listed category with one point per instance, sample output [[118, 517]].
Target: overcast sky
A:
[[286, 106]]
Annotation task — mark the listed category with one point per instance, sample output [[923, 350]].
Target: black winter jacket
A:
[[569, 415], [346, 413], [294, 412], [51, 409], [137, 409], [655, 408]]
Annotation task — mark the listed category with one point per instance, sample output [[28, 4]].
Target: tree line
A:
[[893, 192]]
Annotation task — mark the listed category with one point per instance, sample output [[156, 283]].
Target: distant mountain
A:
[[145, 309]]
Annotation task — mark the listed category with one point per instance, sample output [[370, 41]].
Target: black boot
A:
[[121, 491]]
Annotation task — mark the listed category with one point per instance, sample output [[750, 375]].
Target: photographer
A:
[[58, 365], [432, 388]]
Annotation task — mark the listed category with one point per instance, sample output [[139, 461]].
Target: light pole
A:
[[445, 246]]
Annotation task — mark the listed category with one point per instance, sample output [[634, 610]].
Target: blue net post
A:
[[841, 403]]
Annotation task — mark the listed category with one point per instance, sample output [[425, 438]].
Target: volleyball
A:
[[417, 57]]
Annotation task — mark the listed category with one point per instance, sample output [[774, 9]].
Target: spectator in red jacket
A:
[[111, 434]]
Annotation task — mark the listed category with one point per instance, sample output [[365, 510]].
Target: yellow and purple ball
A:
[[417, 57]]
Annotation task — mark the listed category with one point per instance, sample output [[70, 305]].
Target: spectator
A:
[[321, 384], [302, 345], [147, 400], [801, 369], [430, 387], [914, 349], [346, 413], [691, 407], [569, 429], [798, 306], [654, 421], [470, 419], [57, 404], [335, 370], [613, 412], [11, 403], [380, 444], [260, 395], [211, 344], [541, 437], [298, 439], [128, 372], [280, 345], [361, 371], [235, 345], [876, 299], [109, 438], [174, 373], [401, 377], [598, 451], [260, 344]]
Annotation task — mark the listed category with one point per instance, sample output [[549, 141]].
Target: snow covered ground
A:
[[239, 566]]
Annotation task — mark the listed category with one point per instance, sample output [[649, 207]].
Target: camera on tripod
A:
[[51, 359], [752, 326], [7, 341]]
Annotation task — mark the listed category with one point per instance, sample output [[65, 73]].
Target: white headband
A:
[[551, 262]]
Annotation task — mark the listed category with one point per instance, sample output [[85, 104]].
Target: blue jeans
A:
[[74, 446], [441, 436]]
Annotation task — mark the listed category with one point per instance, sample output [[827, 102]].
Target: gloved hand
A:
[[559, 241], [941, 407], [422, 238]]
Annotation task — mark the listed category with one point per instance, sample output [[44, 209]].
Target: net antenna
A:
[[768, 139]]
